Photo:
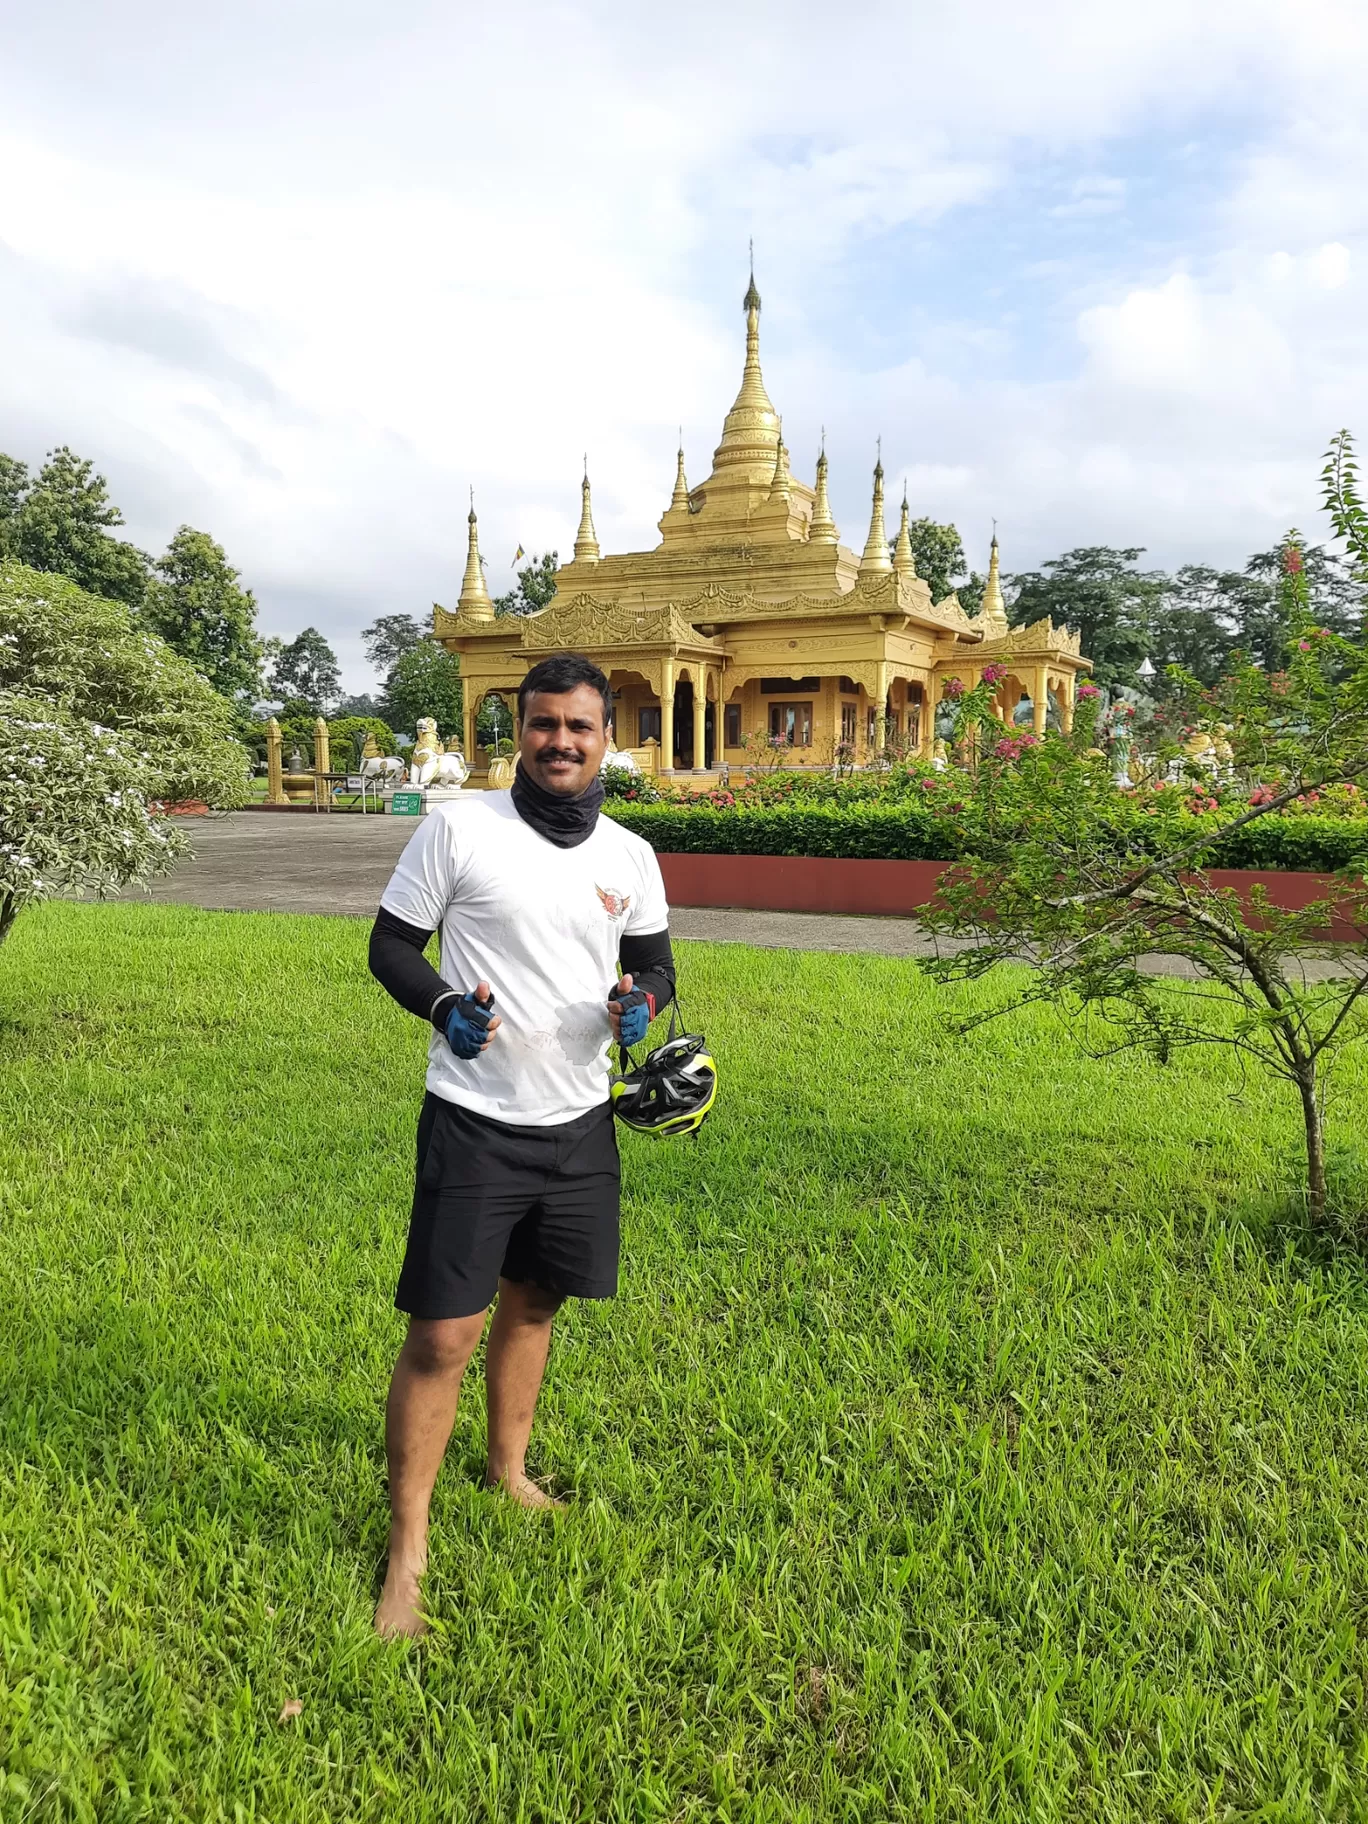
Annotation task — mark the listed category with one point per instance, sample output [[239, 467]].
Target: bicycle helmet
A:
[[671, 1090]]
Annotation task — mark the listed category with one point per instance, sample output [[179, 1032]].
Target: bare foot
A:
[[525, 1492], [399, 1613]]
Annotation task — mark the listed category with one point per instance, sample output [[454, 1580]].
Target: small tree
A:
[[100, 724], [1067, 870], [536, 586], [425, 681], [195, 605], [938, 554]]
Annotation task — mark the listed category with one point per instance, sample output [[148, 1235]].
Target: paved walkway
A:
[[262, 861]]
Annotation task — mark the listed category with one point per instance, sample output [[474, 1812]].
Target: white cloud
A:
[[302, 275]]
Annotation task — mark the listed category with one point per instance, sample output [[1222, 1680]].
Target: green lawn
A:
[[975, 1436]]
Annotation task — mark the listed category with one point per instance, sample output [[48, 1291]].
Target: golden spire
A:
[[680, 498], [586, 540], [993, 613], [779, 485], [903, 561], [876, 561], [822, 527], [750, 431], [474, 602]]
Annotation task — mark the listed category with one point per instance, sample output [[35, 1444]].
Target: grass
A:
[[974, 1437]]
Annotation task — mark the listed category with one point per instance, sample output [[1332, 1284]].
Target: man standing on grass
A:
[[554, 943]]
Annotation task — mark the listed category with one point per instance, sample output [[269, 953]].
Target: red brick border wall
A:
[[796, 883]]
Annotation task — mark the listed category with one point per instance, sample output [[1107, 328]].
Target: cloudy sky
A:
[[302, 273]]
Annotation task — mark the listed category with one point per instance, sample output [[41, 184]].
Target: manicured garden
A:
[[979, 1434]]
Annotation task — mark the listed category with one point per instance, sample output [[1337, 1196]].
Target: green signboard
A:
[[406, 804]]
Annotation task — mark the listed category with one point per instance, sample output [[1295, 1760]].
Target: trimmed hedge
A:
[[874, 831]]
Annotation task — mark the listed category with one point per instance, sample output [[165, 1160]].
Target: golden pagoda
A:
[[750, 623]]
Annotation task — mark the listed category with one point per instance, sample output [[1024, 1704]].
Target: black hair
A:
[[561, 672]]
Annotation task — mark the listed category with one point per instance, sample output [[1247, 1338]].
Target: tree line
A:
[[62, 520]]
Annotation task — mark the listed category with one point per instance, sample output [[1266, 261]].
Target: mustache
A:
[[561, 753]]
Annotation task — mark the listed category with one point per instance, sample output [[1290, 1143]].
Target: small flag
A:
[[517, 554]]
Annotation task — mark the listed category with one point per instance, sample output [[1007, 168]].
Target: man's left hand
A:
[[630, 1012]]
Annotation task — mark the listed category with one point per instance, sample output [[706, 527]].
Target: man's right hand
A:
[[471, 1022]]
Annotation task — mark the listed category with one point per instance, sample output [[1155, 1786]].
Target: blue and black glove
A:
[[465, 1021], [638, 1010]]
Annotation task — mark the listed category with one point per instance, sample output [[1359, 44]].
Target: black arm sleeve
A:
[[649, 961], [398, 964]]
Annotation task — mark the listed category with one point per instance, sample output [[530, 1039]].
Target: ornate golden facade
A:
[[752, 609]]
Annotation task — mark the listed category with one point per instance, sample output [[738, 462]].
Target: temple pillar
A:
[[469, 711], [275, 789], [667, 690], [1066, 706], [1040, 701], [322, 755], [700, 719], [881, 719]]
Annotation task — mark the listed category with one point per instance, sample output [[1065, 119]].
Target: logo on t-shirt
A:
[[614, 903]]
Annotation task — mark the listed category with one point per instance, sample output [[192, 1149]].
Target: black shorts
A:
[[537, 1205]]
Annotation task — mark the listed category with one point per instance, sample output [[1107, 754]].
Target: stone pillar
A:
[[468, 712], [667, 690], [1040, 700], [1066, 706], [700, 750], [322, 750], [275, 790], [881, 719]]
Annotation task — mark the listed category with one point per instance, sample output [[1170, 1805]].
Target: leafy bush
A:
[[894, 831], [347, 736], [100, 723]]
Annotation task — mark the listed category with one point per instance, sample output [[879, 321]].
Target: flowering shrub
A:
[[993, 674], [953, 690], [99, 723]]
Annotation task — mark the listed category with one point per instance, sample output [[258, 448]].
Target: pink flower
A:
[[994, 674], [1089, 690], [954, 689], [1304, 645]]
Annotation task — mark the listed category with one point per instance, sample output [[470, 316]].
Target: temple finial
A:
[[876, 561], [586, 539], [679, 500], [779, 484], [474, 602], [903, 561], [822, 527], [993, 613], [751, 301]]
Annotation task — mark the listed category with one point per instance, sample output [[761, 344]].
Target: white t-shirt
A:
[[541, 925]]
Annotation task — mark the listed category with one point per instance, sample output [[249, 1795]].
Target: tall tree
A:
[[195, 605], [1097, 591], [307, 669], [388, 638], [1202, 615], [938, 553], [536, 586], [425, 681], [63, 525]]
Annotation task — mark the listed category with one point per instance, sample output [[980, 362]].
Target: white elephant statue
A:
[[625, 763], [381, 769]]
